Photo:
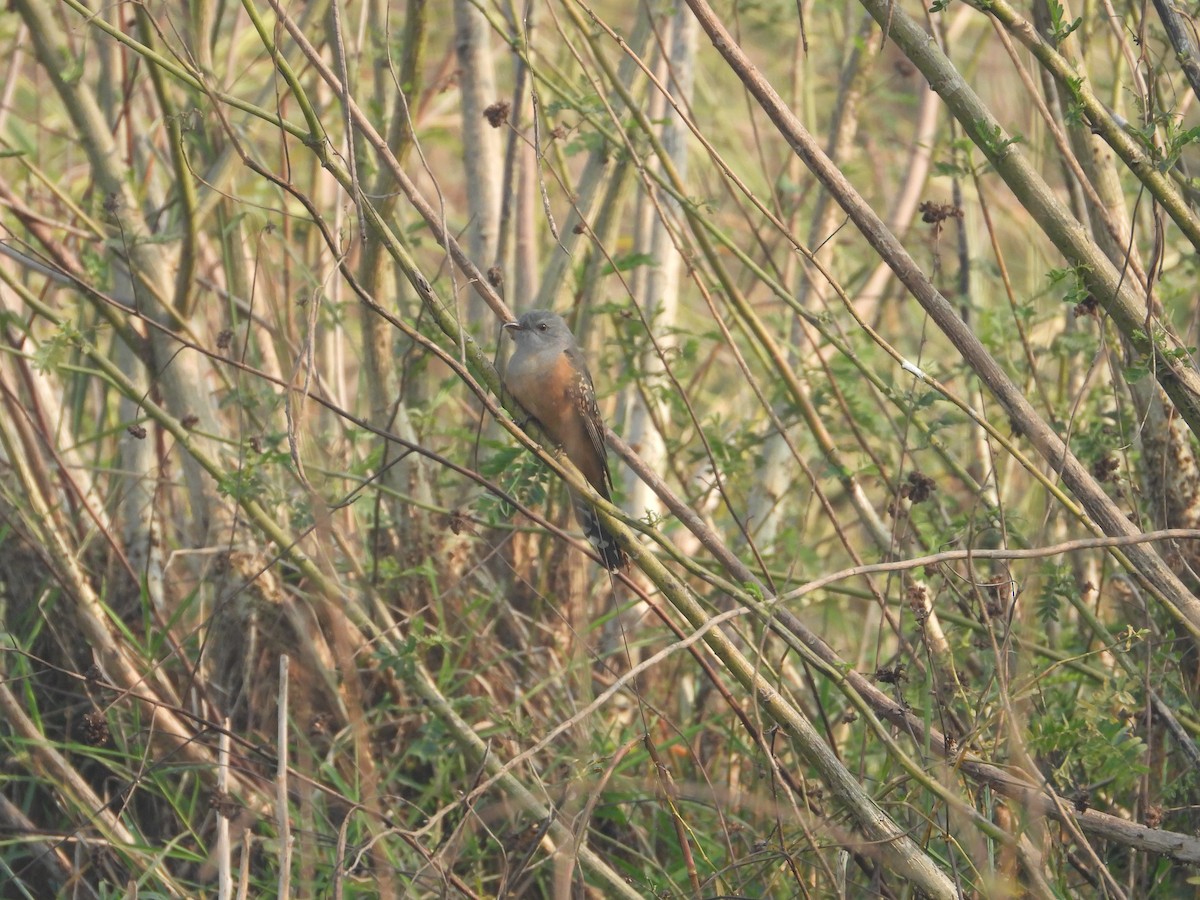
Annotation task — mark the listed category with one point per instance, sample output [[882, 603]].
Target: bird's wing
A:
[[584, 395]]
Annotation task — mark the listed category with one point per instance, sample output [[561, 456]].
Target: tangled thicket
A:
[[903, 399]]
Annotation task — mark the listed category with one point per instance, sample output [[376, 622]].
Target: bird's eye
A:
[[543, 327]]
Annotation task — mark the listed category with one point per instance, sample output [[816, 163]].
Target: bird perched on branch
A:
[[549, 378]]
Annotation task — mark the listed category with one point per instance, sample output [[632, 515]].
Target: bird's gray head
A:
[[540, 329]]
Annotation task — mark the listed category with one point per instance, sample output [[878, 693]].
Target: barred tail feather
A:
[[605, 544]]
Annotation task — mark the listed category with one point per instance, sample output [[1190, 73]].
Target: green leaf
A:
[[627, 262], [50, 353]]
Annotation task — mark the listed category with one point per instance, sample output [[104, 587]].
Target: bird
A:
[[548, 376]]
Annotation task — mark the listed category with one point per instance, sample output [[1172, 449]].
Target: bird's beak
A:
[[515, 325]]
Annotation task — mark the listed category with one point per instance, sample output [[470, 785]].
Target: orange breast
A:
[[551, 393]]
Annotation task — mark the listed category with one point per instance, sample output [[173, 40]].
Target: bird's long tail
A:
[[601, 539]]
